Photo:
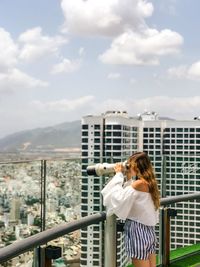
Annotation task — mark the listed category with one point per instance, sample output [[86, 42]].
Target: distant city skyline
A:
[[61, 60]]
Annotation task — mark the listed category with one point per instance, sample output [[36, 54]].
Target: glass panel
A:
[[20, 204]]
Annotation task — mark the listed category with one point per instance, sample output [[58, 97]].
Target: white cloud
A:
[[142, 49], [9, 51], [51, 113], [132, 81], [35, 44], [104, 17], [11, 77], [174, 107], [194, 71], [191, 72], [114, 76], [16, 79], [134, 42], [64, 104], [100, 107], [66, 66], [178, 72], [81, 51]]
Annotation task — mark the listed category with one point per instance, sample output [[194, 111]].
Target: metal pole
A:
[[161, 236], [164, 237], [167, 228], [44, 196], [41, 194], [110, 242], [36, 257], [48, 262]]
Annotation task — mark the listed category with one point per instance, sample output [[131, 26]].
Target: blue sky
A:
[[64, 59]]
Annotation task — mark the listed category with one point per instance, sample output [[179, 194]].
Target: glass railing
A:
[[20, 204], [38, 195], [181, 176], [63, 187], [51, 252]]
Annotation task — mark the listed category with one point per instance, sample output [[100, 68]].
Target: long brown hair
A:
[[141, 163]]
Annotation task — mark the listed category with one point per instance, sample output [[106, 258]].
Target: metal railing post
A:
[[164, 237], [43, 194], [48, 262], [39, 256], [36, 257], [110, 253]]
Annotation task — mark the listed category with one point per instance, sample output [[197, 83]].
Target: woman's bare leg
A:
[[141, 263], [152, 260]]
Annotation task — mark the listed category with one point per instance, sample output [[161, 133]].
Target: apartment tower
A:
[[174, 148]]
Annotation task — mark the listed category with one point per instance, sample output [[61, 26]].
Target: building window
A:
[[85, 126], [117, 134], [117, 127], [96, 201], [108, 127], [84, 241], [84, 187], [97, 127]]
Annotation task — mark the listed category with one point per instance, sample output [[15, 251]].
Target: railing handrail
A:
[[180, 198], [22, 246], [22, 161]]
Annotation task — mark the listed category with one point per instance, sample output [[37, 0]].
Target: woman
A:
[[137, 202]]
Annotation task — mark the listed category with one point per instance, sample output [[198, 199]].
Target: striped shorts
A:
[[140, 240]]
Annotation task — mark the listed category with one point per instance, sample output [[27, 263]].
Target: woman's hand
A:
[[119, 167]]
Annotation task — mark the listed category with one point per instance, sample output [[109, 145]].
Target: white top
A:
[[129, 203]]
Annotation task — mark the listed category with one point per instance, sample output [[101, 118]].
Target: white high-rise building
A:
[[174, 148], [181, 150], [109, 137], [15, 209]]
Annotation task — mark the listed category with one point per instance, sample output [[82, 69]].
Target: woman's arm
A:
[[118, 200]]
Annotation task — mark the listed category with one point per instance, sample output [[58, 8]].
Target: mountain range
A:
[[65, 135]]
